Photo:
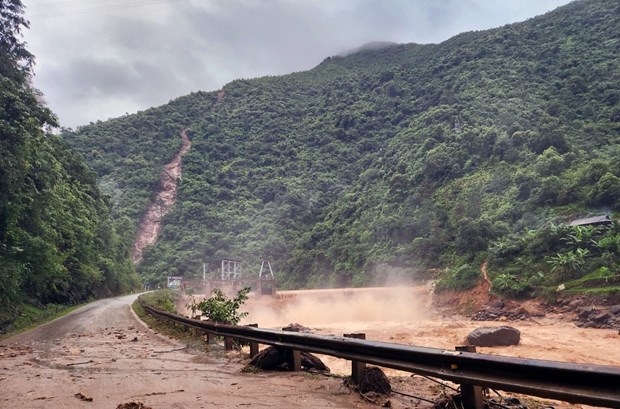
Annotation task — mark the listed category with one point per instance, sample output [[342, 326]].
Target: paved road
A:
[[98, 315], [103, 352]]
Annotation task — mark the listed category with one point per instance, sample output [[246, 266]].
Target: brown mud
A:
[[101, 356], [404, 315], [150, 225]]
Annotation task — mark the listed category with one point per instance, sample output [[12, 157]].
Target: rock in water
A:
[[295, 327], [494, 336]]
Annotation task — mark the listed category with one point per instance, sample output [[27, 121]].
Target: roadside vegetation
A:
[[166, 300], [218, 309], [31, 316]]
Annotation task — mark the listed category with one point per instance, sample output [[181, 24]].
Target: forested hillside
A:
[[58, 244], [406, 157]]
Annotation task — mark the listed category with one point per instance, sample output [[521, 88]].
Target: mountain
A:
[[397, 160], [373, 45]]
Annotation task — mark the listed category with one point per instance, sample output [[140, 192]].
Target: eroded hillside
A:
[[163, 200]]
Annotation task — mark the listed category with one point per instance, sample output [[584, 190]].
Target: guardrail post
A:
[[356, 366], [228, 343], [471, 395], [253, 344], [294, 360], [293, 356]]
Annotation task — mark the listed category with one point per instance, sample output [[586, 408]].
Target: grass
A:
[[594, 290], [162, 300], [30, 316], [595, 283], [189, 336]]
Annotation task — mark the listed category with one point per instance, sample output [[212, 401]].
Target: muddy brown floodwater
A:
[[101, 355], [404, 315]]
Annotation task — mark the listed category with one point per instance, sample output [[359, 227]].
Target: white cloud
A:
[[98, 59]]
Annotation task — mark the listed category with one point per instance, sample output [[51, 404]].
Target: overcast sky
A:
[[98, 59]]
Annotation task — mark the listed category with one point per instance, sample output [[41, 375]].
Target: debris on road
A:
[[133, 405], [83, 397]]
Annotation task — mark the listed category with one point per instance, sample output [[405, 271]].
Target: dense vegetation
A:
[[57, 242], [407, 157], [580, 258]]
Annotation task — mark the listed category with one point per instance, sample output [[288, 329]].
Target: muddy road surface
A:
[[102, 356]]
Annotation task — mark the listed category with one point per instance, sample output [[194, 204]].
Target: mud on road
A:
[[102, 356]]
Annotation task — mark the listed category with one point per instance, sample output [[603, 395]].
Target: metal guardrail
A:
[[596, 385]]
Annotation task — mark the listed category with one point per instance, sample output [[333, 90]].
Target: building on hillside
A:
[[592, 221]]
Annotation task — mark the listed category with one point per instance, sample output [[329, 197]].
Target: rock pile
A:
[[373, 379], [295, 327], [591, 312], [593, 317], [133, 405], [501, 311]]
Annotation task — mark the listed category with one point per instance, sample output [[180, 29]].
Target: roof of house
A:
[[591, 220]]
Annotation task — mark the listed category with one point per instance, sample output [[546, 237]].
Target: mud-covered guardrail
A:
[[596, 385]]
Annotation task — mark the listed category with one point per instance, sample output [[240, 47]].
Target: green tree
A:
[[56, 245], [504, 282], [606, 191], [221, 309], [17, 62], [333, 171]]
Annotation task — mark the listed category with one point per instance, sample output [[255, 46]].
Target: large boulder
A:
[[273, 358], [494, 336], [295, 327]]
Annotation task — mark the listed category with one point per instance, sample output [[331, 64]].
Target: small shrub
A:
[[221, 309], [461, 278], [163, 300]]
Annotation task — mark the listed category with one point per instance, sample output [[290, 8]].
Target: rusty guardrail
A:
[[596, 385]]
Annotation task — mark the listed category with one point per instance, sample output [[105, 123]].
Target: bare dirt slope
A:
[[150, 225], [104, 353]]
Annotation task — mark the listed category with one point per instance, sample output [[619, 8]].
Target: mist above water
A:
[[340, 307]]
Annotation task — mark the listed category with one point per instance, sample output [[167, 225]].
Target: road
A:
[[103, 352]]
